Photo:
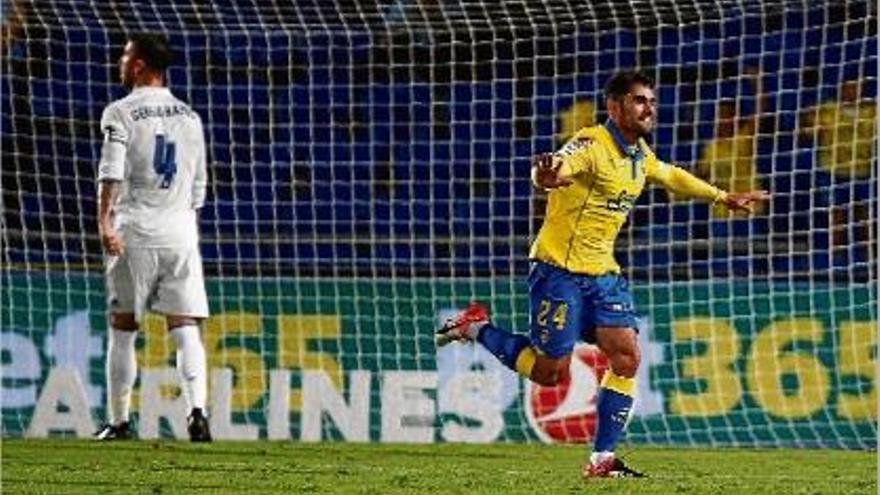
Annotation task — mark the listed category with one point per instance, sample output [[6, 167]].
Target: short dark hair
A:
[[153, 49], [620, 84]]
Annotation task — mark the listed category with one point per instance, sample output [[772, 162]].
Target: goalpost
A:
[[369, 174]]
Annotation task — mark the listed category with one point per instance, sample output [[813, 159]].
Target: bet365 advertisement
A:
[[723, 363]]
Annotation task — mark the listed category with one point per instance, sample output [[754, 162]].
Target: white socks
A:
[[597, 457], [121, 372], [191, 365]]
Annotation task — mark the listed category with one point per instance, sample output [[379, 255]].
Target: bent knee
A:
[[546, 378], [549, 372], [626, 364]]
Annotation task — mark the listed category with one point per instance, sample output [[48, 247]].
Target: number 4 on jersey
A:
[[164, 162]]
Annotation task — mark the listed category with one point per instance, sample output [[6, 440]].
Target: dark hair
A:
[[153, 49], [619, 84]]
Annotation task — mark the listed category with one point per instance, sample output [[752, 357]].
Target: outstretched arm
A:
[[681, 182]]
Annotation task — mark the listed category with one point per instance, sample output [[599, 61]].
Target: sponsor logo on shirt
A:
[[623, 203]]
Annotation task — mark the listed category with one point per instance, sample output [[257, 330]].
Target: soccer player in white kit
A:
[[152, 180]]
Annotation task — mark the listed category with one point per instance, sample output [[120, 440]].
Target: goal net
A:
[[369, 175]]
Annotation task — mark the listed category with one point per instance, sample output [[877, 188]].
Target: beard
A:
[[643, 127]]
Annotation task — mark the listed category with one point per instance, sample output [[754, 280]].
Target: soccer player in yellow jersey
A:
[[576, 290]]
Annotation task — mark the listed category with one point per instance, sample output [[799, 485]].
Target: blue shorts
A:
[[567, 307]]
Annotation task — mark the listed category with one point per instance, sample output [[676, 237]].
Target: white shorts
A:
[[166, 280]]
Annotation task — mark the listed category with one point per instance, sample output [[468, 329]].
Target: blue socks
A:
[[508, 348], [613, 407]]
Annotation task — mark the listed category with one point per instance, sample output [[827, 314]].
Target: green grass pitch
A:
[[166, 467]]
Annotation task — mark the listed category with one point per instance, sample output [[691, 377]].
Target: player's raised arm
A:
[[555, 170], [679, 181], [548, 173]]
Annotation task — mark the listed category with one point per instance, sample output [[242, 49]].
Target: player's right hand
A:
[[112, 242], [545, 171]]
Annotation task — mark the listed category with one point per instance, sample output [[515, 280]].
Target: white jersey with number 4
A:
[[155, 145]]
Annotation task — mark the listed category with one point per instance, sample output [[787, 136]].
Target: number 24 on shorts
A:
[[558, 315]]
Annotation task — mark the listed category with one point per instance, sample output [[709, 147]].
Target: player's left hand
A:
[[112, 242], [745, 201]]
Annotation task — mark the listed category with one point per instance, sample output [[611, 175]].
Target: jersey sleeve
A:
[[681, 182], [200, 182], [577, 156], [115, 131]]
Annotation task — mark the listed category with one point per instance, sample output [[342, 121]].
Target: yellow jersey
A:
[[582, 220]]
